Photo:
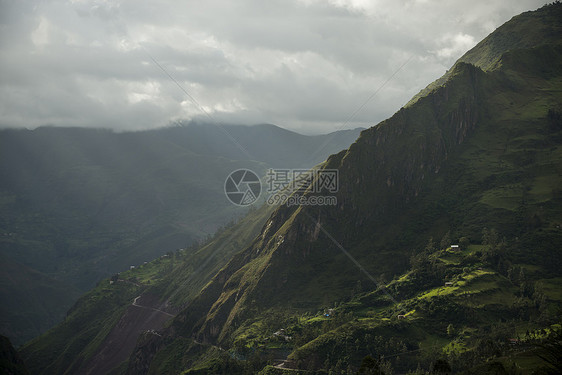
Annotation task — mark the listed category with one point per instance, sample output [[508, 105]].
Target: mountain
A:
[[527, 32], [443, 252], [275, 146], [77, 205], [100, 331]]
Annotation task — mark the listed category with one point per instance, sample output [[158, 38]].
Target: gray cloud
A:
[[302, 64]]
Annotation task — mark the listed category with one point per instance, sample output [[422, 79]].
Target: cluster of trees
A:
[[491, 344], [353, 353], [362, 351], [429, 272]]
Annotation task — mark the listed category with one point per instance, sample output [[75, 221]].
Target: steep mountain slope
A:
[[525, 30], [362, 285], [79, 204], [483, 150]]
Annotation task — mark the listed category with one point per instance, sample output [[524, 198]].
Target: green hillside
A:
[[77, 205], [374, 283], [173, 278], [523, 31], [480, 151]]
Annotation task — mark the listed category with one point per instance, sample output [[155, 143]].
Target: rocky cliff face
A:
[[387, 177], [380, 175], [410, 174], [476, 152]]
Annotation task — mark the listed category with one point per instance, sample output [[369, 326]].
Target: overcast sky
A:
[[306, 65]]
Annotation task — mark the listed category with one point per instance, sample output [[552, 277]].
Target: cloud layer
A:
[[307, 65]]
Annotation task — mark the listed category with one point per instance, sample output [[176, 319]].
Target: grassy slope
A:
[[510, 170], [80, 204], [525, 30], [477, 152], [177, 277], [480, 305], [488, 295]]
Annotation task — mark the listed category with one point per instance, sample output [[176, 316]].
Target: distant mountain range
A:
[[77, 205], [443, 253]]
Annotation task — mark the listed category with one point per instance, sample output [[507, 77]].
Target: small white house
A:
[[132, 267], [281, 333], [454, 247]]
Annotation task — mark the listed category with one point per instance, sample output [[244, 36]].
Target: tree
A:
[[521, 275], [490, 237], [450, 330], [385, 368], [446, 240], [430, 247]]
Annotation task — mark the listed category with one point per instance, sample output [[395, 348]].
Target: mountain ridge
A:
[[486, 53], [458, 105], [81, 204], [363, 285]]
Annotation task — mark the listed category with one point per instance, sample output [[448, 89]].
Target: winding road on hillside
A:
[[135, 303], [282, 364]]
